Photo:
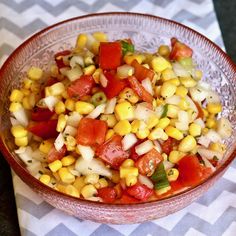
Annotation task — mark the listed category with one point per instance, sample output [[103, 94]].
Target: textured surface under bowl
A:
[[147, 32]]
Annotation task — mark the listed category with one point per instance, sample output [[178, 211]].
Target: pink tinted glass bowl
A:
[[147, 32]]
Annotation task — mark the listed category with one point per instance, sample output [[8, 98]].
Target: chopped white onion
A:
[[73, 119], [212, 97], [14, 121], [21, 116], [183, 121], [204, 141], [25, 155], [50, 102], [180, 70], [224, 128], [86, 152], [38, 155], [146, 181], [74, 73], [20, 150], [146, 83], [90, 41], [141, 112], [213, 136], [209, 154], [94, 199], [193, 107], [157, 146], [204, 85], [181, 126], [174, 100], [144, 147], [97, 111], [70, 130], [128, 141], [124, 71], [110, 106], [77, 60], [34, 168], [168, 165], [198, 94], [103, 80], [59, 142], [208, 164], [200, 122]]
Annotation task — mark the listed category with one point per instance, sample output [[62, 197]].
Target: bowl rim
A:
[[48, 190]]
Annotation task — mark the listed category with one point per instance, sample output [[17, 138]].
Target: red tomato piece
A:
[[141, 72], [140, 90], [51, 81], [110, 54], [190, 170], [108, 194], [111, 151], [179, 50], [167, 146], [200, 111], [126, 199], [41, 114], [91, 132], [81, 87], [114, 85], [140, 191], [59, 58], [147, 163], [54, 155], [44, 129], [176, 186], [133, 154]]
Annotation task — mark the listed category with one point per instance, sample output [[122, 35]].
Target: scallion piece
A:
[[126, 47], [165, 110]]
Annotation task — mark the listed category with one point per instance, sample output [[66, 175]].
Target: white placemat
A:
[[213, 214]]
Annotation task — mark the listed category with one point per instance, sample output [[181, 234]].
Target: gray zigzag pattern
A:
[[27, 232], [6, 49], [62, 230]]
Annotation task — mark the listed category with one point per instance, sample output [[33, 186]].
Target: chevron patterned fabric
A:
[[214, 214]]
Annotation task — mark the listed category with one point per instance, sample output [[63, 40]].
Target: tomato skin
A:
[[108, 194], [59, 58], [54, 155], [140, 191], [179, 50], [126, 199], [44, 129], [41, 114], [81, 87], [110, 54], [141, 72], [167, 146], [91, 132], [114, 85], [133, 154], [147, 163], [111, 152], [140, 90]]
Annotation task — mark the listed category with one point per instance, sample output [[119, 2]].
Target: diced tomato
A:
[[133, 154], [111, 151], [167, 146], [114, 85], [126, 199], [190, 170], [81, 87], [141, 72], [140, 90], [44, 129], [108, 194], [51, 81], [110, 54], [179, 50], [206, 172], [200, 111], [59, 58], [91, 132], [147, 163], [41, 114], [140, 191], [54, 155]]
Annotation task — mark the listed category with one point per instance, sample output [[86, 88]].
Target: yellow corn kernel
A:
[[81, 40], [163, 123], [100, 36], [102, 183], [55, 165], [167, 74], [152, 122], [72, 191], [162, 190], [35, 87], [154, 103], [35, 73], [27, 83], [26, 103], [164, 50], [47, 91], [95, 48], [174, 81], [135, 126], [65, 95], [66, 176], [181, 91], [96, 75], [83, 108], [128, 163], [174, 133], [210, 123], [157, 91], [124, 111], [67, 160], [214, 108], [61, 123], [195, 130], [187, 144], [61, 188], [172, 111], [18, 131], [60, 107], [25, 92], [183, 104], [218, 147], [188, 82], [175, 156], [89, 70], [88, 191], [131, 180], [91, 178], [70, 104], [15, 106], [22, 142], [172, 174], [109, 134], [156, 133], [198, 75], [79, 183], [70, 141], [56, 89], [129, 95], [164, 136], [45, 146], [160, 63], [123, 127], [205, 130], [129, 58], [125, 171], [115, 177], [45, 179], [16, 95], [142, 133], [88, 60], [168, 89], [110, 119], [54, 71]]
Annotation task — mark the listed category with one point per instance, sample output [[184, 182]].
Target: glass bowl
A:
[[147, 32]]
